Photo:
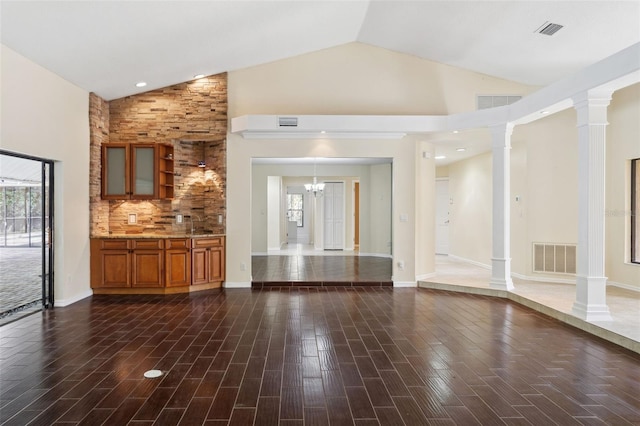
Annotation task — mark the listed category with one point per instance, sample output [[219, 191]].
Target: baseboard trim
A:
[[237, 284], [66, 302], [624, 286], [400, 284], [425, 276], [472, 262], [544, 279], [387, 256]]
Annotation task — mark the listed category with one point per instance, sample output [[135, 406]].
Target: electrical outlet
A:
[[243, 266], [179, 218], [133, 219]]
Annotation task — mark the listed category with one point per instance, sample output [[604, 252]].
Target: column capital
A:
[[591, 107], [501, 135]]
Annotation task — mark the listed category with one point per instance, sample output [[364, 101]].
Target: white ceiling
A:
[[107, 46]]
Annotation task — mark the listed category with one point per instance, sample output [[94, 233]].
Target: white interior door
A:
[[442, 216], [334, 216]]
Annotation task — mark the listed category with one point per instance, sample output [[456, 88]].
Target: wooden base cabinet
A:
[[156, 265], [207, 261], [126, 263], [177, 261]]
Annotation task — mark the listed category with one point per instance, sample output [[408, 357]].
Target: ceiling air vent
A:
[[549, 28], [287, 121], [491, 101]]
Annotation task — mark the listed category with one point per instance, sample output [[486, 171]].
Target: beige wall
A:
[[357, 78], [623, 144], [471, 193], [544, 175], [45, 116]]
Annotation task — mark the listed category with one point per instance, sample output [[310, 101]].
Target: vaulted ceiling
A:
[[107, 46]]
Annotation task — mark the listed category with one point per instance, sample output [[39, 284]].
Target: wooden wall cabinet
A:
[[137, 171], [207, 261]]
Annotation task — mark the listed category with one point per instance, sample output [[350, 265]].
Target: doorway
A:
[[26, 233], [442, 216]]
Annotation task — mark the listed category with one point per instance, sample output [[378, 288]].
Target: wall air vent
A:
[[287, 121], [556, 258], [491, 101], [549, 28]]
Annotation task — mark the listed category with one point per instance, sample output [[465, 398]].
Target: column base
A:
[[501, 274], [592, 312], [591, 299]]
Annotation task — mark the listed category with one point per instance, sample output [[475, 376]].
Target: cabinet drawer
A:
[[148, 244], [207, 242], [177, 244], [107, 244]]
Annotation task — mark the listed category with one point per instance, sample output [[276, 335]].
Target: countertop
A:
[[157, 236]]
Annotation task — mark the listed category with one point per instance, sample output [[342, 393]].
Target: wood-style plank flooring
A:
[[310, 356], [291, 270]]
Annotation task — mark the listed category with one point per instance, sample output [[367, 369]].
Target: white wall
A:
[[45, 116]]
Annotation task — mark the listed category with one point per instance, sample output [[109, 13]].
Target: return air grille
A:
[[491, 101], [549, 28], [288, 121], [554, 258]]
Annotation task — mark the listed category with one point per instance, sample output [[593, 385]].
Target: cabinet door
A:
[[216, 264], [178, 267], [115, 268], [115, 171], [144, 184], [147, 268], [199, 266]]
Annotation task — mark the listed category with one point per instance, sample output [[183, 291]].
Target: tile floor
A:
[[311, 356]]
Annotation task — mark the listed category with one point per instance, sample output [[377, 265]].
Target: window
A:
[[295, 208], [635, 207]]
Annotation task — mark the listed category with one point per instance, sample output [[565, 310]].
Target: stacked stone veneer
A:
[[192, 117]]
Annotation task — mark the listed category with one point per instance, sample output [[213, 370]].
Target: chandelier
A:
[[315, 187]]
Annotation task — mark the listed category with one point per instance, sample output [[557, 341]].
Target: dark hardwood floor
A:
[[288, 270], [312, 356]]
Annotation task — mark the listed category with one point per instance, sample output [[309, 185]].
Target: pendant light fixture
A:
[[315, 187]]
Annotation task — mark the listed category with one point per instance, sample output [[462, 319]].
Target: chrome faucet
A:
[[191, 220]]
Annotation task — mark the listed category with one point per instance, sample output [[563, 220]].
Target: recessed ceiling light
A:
[[323, 131], [544, 112], [440, 157], [141, 84], [197, 76], [461, 149], [455, 131]]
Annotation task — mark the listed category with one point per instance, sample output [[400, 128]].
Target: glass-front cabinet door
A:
[[143, 174], [129, 171], [115, 171]]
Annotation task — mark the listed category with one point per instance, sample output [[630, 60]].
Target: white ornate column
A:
[[501, 253], [591, 284]]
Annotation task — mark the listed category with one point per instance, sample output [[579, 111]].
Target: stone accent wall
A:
[[99, 134], [191, 116]]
